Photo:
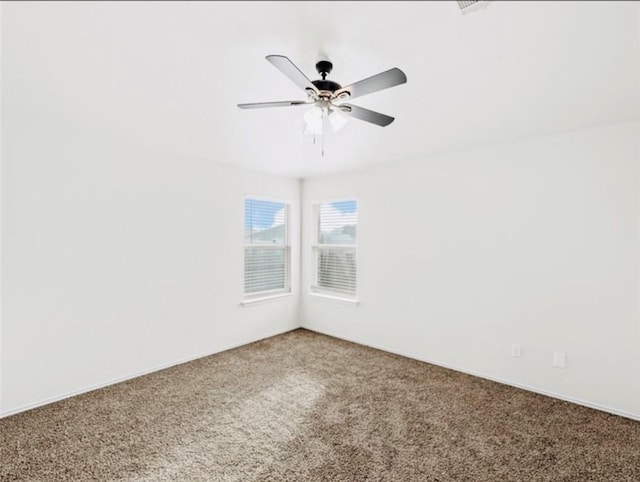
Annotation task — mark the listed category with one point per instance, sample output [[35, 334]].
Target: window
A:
[[266, 248], [335, 248]]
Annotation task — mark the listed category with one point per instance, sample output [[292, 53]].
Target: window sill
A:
[[338, 299], [264, 299]]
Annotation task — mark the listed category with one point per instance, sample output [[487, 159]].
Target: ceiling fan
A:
[[328, 97]]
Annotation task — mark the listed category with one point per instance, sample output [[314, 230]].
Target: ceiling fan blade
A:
[[285, 103], [382, 81], [288, 68], [366, 114]]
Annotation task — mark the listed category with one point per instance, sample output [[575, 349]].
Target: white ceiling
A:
[[168, 76]]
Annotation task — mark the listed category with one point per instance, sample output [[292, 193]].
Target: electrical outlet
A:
[[516, 350], [559, 360]]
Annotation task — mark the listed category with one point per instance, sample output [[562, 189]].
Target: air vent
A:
[[467, 6]]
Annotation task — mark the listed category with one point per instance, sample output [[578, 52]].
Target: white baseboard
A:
[[597, 406], [97, 386]]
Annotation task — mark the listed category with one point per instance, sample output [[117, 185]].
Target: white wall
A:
[[118, 261], [464, 254]]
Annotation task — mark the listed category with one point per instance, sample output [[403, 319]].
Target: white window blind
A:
[[335, 248], [467, 6], [266, 251]]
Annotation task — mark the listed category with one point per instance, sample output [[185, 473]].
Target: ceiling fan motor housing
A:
[[326, 85], [324, 68]]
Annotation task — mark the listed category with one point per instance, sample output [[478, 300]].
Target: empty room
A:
[[320, 241]]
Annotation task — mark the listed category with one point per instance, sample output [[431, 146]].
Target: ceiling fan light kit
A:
[[329, 112], [314, 120]]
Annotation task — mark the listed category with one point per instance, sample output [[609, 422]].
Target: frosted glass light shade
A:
[[314, 120], [337, 120]]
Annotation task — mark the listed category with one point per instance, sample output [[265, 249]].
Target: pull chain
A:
[[324, 133]]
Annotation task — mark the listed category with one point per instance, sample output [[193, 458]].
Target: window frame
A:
[[257, 296], [317, 248]]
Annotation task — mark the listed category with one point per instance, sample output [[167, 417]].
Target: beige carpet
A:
[[303, 406]]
